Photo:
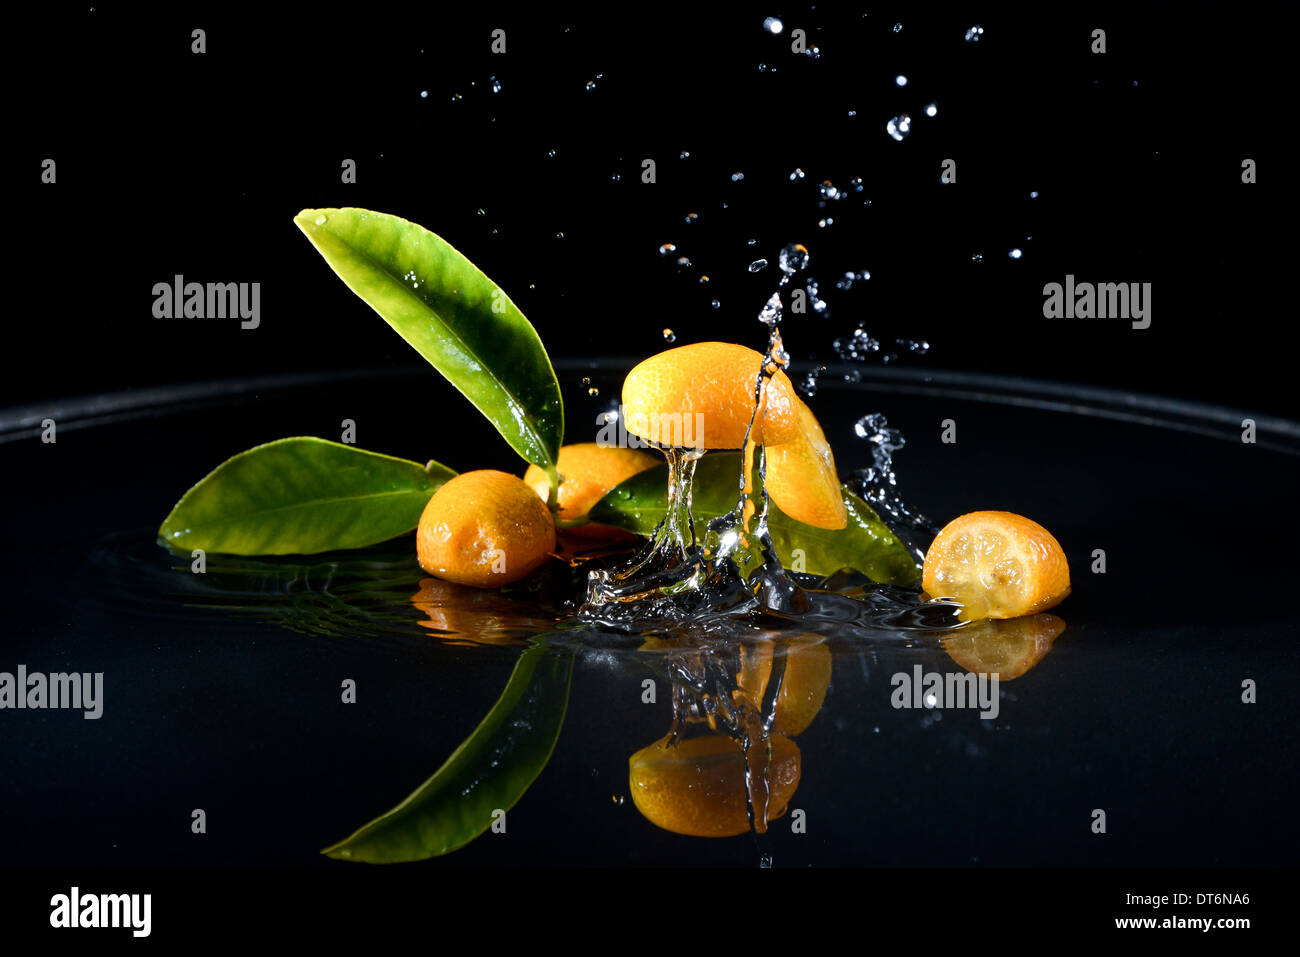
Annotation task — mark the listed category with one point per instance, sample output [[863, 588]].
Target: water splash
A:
[[877, 485]]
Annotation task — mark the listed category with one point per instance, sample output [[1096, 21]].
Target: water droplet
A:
[[482, 211], [757, 265], [1033, 194], [321, 220], [670, 336], [591, 85], [793, 258], [424, 94], [977, 257], [917, 346], [692, 217], [897, 27], [1015, 253], [751, 242], [974, 33], [856, 183], [931, 109], [551, 153], [457, 97], [684, 154], [900, 80], [559, 235], [773, 25], [496, 84], [737, 176], [683, 261], [762, 68], [798, 174], [593, 391], [828, 190], [771, 312], [704, 279], [853, 112], [615, 177], [667, 248], [824, 222], [716, 304], [853, 376], [899, 126]]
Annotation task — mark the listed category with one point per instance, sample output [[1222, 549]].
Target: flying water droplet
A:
[[685, 154], [704, 279], [897, 27], [974, 33], [1015, 253], [773, 25], [916, 346], [667, 248], [737, 176], [798, 174], [591, 85], [424, 94], [496, 84], [683, 261], [899, 126], [716, 304], [670, 336], [900, 80], [931, 109], [1033, 194], [692, 217], [593, 391], [758, 265], [793, 258], [771, 312], [977, 257]]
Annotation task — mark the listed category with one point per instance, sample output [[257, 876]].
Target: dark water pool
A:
[[222, 692]]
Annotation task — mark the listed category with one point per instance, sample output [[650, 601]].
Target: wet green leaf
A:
[[457, 318], [865, 545], [489, 772], [300, 496]]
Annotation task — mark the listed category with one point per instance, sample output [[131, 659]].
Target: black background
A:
[[171, 162]]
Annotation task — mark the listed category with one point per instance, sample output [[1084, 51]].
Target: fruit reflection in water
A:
[[742, 772], [1007, 648], [697, 786], [464, 615], [803, 685]]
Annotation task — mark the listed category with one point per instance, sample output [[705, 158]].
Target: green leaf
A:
[[299, 496], [865, 545], [453, 315], [491, 770]]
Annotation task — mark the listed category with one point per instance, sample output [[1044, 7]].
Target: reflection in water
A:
[[742, 686], [1006, 648], [463, 615], [696, 787], [728, 765]]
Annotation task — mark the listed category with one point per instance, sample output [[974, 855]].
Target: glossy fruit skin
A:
[[801, 476], [486, 529], [587, 471], [697, 787], [712, 384], [998, 565]]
